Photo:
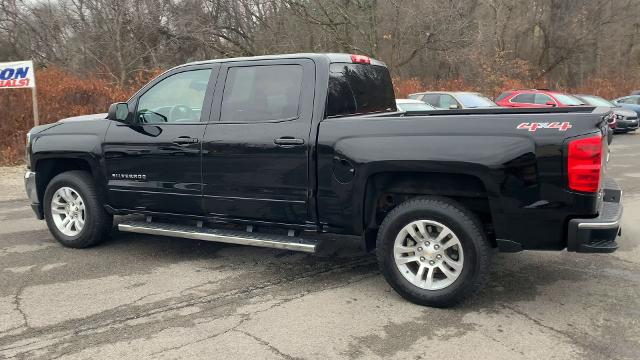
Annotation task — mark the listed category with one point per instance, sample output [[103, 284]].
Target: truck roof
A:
[[331, 57]]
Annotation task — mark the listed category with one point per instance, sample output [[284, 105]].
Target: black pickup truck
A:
[[266, 150]]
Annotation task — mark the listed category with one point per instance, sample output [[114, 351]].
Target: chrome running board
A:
[[220, 235]]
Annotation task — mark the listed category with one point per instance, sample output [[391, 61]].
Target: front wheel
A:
[[433, 252], [74, 212]]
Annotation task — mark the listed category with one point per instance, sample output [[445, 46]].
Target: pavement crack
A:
[[16, 300], [177, 347], [145, 297], [267, 344], [538, 322], [496, 340], [75, 332], [575, 340]]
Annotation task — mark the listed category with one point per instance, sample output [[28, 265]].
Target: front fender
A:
[[68, 146]]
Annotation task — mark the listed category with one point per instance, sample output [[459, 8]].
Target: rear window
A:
[[568, 100], [475, 101], [359, 89], [503, 95], [261, 93], [596, 101]]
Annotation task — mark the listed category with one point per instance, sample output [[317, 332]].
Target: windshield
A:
[[568, 100], [596, 101], [359, 89], [414, 107], [474, 100]]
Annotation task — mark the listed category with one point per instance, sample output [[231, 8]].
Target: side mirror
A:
[[118, 112], [453, 106], [551, 103]]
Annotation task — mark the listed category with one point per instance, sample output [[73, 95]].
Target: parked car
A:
[[631, 102], [623, 120], [413, 105], [454, 100], [283, 146], [536, 98]]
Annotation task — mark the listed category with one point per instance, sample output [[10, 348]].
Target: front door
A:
[[153, 163], [256, 149]]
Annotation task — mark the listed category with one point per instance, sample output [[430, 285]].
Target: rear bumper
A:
[[32, 193], [598, 235]]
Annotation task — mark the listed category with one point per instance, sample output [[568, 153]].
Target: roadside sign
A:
[[17, 74], [20, 75]]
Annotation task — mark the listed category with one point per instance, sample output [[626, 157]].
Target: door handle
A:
[[288, 141], [185, 140]]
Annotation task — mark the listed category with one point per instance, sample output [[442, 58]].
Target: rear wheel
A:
[[73, 210], [433, 252]]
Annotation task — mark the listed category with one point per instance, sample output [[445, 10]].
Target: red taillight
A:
[[360, 59], [585, 164]]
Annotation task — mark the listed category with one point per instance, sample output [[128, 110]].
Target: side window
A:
[[524, 98], [431, 99], [178, 98], [542, 99], [627, 100], [261, 93], [446, 101]]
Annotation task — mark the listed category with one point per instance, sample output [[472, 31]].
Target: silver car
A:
[[454, 100]]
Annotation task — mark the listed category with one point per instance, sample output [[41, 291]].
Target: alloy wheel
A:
[[428, 254], [68, 211]]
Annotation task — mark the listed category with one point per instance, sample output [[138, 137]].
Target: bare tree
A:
[[558, 41]]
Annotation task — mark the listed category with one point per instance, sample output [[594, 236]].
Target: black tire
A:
[[477, 250], [98, 222]]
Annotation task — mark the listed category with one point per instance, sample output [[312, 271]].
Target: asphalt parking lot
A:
[[141, 296]]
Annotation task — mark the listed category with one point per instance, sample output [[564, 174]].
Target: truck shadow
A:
[[514, 277]]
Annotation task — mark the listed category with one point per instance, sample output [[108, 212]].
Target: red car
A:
[[536, 98]]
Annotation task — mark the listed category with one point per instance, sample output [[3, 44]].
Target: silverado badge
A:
[[129, 176]]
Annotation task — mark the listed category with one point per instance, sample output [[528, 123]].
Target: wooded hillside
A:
[[485, 45]]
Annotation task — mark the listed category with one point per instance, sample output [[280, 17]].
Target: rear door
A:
[[544, 100], [153, 163], [256, 148]]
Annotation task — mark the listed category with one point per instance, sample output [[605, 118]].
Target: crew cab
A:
[[277, 151]]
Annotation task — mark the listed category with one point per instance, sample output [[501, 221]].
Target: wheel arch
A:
[[386, 190], [47, 167]]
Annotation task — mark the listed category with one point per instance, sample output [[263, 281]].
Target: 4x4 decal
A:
[[564, 126]]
